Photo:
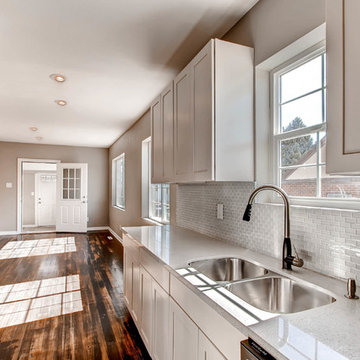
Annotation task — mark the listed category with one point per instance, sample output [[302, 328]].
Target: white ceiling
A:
[[117, 56]]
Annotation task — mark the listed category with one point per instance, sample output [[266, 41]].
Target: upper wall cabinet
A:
[[162, 137], [343, 79], [212, 137]]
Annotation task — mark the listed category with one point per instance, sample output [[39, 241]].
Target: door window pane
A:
[[71, 187]]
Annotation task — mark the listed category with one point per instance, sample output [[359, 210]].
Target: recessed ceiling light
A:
[[61, 102], [58, 77], [39, 138], [33, 128]]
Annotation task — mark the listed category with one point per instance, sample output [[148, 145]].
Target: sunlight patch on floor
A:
[[40, 299], [19, 249]]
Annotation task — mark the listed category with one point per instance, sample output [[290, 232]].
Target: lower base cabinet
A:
[[188, 341], [167, 331], [146, 301], [184, 335], [160, 298], [207, 351]]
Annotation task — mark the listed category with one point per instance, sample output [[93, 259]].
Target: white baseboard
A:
[[95, 228], [3, 233], [114, 234], [29, 226]]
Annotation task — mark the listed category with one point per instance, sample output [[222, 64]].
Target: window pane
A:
[[340, 187], [166, 202], [301, 113], [119, 179], [299, 181], [299, 151], [302, 80]]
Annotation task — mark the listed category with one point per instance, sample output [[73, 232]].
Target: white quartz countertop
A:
[[330, 332]]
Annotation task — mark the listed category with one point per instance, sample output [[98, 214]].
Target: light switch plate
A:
[[9, 185], [220, 211]]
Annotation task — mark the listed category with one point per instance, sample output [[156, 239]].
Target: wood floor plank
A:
[[102, 330]]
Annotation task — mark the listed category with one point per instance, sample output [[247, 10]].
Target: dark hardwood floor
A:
[[102, 330]]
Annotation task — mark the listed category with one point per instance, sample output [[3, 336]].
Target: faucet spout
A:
[[287, 258]]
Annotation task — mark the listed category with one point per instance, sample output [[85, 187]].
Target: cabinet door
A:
[[136, 300], [167, 115], [184, 130], [160, 347], [207, 350], [202, 73], [184, 334], [128, 274], [157, 160], [343, 79], [146, 308]]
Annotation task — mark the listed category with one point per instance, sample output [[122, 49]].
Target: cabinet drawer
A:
[[221, 333], [155, 268], [132, 247]]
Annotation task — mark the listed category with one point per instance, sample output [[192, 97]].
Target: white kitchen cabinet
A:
[[162, 137], [167, 116], [343, 85], [184, 134], [193, 119], [160, 345], [132, 286], [146, 296], [184, 335], [207, 350], [136, 304], [157, 155], [213, 115], [128, 264]]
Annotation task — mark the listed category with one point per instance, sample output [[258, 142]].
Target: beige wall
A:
[[130, 144], [273, 24], [97, 158]]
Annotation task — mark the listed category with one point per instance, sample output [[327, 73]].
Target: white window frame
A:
[[146, 183], [114, 204], [276, 136]]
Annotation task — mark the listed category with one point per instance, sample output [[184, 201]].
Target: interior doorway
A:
[[37, 195]]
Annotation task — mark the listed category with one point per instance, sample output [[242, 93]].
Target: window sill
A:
[[118, 208], [312, 203], [154, 221]]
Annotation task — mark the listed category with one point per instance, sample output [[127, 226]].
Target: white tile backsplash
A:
[[328, 240]]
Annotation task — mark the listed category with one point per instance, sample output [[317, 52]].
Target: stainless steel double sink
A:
[[261, 288]]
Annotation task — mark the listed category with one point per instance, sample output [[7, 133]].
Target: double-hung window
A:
[[155, 197], [118, 181], [299, 132]]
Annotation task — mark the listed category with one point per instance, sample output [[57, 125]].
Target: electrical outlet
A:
[[220, 211]]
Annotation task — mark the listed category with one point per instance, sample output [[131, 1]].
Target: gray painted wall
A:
[[130, 144], [97, 159], [273, 24]]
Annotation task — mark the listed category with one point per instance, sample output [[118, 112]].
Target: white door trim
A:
[[20, 161]]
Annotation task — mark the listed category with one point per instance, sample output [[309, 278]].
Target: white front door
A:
[[45, 192], [71, 197]]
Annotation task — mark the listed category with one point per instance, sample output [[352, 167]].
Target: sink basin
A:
[[228, 269], [280, 295]]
